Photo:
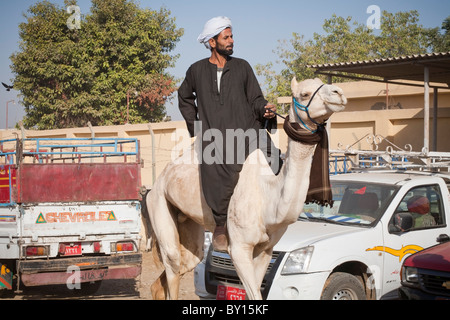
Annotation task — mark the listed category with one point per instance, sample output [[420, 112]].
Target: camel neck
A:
[[295, 177]]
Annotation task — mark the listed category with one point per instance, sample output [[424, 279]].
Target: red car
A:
[[426, 274]]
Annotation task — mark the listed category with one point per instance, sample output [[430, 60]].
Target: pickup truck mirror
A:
[[443, 238], [402, 222]]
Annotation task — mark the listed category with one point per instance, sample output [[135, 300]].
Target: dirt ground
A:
[[151, 272], [111, 289]]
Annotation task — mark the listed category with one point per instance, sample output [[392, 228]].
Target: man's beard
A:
[[224, 51]]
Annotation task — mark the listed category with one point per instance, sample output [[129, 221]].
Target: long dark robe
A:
[[239, 105]]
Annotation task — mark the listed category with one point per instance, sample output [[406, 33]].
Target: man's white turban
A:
[[212, 28]]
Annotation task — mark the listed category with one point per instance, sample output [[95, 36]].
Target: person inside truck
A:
[[419, 207], [402, 222]]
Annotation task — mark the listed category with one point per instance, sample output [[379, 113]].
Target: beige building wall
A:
[[401, 122], [401, 127], [354, 127], [366, 95]]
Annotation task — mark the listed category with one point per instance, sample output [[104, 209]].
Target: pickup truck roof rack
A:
[[65, 150]]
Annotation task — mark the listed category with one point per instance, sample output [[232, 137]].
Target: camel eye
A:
[[304, 95]]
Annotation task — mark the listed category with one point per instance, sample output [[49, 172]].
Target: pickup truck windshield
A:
[[355, 203]]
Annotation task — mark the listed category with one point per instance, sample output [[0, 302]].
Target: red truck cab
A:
[[426, 274]]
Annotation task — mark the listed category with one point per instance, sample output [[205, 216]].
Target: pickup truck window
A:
[[355, 203], [425, 207]]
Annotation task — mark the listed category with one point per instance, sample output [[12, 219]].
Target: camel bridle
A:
[[299, 107]]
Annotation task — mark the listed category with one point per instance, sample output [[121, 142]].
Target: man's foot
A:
[[220, 240]]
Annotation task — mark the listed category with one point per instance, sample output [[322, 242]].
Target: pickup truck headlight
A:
[[410, 275], [298, 261]]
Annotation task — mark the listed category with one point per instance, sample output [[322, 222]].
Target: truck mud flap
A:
[[61, 264], [73, 276], [86, 269]]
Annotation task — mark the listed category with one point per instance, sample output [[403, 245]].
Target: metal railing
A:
[[393, 157], [14, 152]]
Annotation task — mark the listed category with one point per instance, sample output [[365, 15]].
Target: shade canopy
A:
[[432, 69], [394, 69]]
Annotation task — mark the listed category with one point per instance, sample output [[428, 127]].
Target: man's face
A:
[[224, 43]]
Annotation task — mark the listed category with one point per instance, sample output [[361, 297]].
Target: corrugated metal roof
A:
[[397, 68]]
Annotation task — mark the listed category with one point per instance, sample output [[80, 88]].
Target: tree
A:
[[441, 41], [344, 40], [68, 76], [401, 35]]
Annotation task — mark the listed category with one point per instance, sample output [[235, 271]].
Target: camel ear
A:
[[294, 84]]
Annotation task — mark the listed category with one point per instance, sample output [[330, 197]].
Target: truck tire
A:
[[343, 286]]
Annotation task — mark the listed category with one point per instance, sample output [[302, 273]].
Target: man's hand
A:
[[268, 114]]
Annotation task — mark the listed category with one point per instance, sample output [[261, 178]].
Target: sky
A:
[[258, 26]]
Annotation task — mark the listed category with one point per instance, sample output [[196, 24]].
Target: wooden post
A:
[[426, 112], [435, 118]]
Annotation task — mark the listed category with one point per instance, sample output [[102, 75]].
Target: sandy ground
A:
[[111, 289], [151, 272]]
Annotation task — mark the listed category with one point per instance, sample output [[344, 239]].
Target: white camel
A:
[[260, 209]]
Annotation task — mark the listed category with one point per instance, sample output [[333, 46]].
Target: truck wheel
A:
[[343, 286]]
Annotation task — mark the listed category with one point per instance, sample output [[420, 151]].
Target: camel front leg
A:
[[242, 257], [261, 261]]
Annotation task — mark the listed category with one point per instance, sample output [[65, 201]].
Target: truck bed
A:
[[77, 182], [69, 170]]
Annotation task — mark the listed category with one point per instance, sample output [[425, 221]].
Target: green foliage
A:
[[401, 35], [344, 40], [441, 42], [68, 77]]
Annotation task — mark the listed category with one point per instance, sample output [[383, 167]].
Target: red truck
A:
[[426, 274], [70, 211]]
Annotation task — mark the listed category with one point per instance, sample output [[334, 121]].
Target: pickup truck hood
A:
[[304, 233], [435, 258]]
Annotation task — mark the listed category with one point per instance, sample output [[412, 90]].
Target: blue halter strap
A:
[[298, 106]]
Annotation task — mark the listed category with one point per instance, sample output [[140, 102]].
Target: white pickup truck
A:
[[355, 249]]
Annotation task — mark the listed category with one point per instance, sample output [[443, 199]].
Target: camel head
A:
[[326, 100]]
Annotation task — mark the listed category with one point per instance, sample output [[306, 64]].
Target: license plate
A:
[[230, 293], [73, 250]]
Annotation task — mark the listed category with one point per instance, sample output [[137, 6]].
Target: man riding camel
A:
[[219, 94]]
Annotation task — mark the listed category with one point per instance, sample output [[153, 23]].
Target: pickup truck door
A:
[[423, 211]]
